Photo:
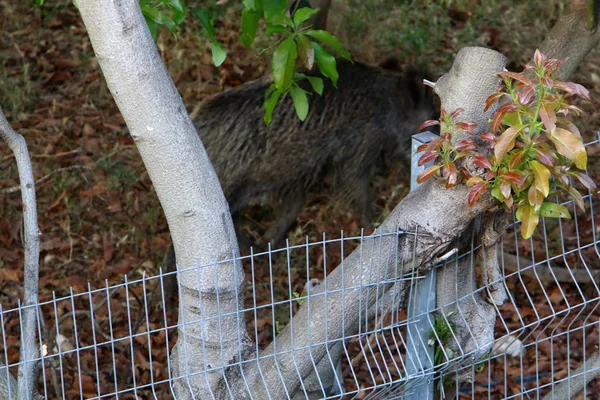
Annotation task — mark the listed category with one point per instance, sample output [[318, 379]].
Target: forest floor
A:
[[101, 219]]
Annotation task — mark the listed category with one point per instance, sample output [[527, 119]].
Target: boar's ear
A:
[[390, 63]]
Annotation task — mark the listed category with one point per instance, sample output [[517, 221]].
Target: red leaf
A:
[[516, 76], [467, 126], [427, 157], [427, 173], [422, 147], [548, 117], [554, 64], [513, 177], [585, 180], [456, 112], [482, 162], [488, 136], [492, 99], [516, 159], [525, 95], [476, 192], [466, 144], [574, 89], [538, 58], [504, 109], [450, 174], [427, 124], [545, 156]]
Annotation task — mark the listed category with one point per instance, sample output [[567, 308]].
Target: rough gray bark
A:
[[186, 185], [437, 214], [571, 37], [470, 81], [29, 369]]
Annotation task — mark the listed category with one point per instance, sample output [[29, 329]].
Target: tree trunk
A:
[[571, 37], [186, 185], [29, 369]]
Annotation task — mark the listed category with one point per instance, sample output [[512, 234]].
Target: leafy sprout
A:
[[532, 151]]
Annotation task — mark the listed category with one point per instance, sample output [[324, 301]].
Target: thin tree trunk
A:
[[29, 369]]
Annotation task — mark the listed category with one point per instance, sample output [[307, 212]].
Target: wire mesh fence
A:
[[116, 341]]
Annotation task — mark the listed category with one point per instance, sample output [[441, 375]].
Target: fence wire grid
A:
[[116, 341]]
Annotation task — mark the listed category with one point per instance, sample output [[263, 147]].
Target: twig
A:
[[44, 178], [28, 369], [545, 271], [577, 380]]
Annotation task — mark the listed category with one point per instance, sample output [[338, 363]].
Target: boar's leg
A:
[[355, 190], [170, 281], [285, 217], [363, 201]]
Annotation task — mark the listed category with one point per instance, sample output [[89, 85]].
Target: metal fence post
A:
[[419, 356]]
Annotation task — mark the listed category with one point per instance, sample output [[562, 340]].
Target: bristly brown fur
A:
[[348, 131]]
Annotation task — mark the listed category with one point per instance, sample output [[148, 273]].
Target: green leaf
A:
[[542, 177], [570, 145], [39, 2], [303, 14], [529, 220], [253, 5], [284, 61], [497, 194], [159, 18], [330, 41], [300, 101], [553, 210], [206, 23], [176, 5], [152, 27], [218, 54], [275, 29], [326, 63], [179, 14], [249, 26], [274, 7], [316, 83], [280, 19], [151, 12], [270, 104], [305, 51]]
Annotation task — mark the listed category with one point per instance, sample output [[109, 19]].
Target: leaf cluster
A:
[[297, 44], [532, 151], [167, 13]]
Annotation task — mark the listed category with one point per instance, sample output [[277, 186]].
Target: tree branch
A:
[[28, 369]]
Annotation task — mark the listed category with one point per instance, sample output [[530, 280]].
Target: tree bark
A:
[[571, 37], [210, 333], [28, 369]]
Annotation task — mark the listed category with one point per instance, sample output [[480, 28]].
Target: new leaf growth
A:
[[531, 152]]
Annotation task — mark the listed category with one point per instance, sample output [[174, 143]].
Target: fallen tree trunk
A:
[[422, 228]]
